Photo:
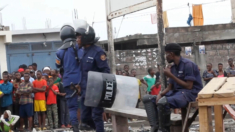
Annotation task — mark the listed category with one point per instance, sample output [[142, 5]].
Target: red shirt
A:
[[51, 98], [156, 90], [39, 84], [1, 81]]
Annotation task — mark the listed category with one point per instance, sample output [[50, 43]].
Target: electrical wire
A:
[[120, 26], [175, 8]]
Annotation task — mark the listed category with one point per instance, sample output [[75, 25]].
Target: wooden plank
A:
[[120, 124], [218, 118], [209, 116], [135, 113], [227, 90], [203, 119], [216, 101], [214, 85]]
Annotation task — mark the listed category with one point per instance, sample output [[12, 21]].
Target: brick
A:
[[212, 53], [223, 52], [209, 59], [219, 46], [231, 52], [216, 58], [213, 47], [233, 45], [208, 47], [226, 46]]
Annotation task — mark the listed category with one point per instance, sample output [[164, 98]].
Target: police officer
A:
[[184, 85], [94, 59], [68, 59]]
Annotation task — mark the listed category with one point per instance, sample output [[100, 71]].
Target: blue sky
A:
[[60, 11]]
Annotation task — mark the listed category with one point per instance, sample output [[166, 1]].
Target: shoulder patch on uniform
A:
[[57, 61], [103, 57]]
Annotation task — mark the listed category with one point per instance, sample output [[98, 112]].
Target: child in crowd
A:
[[52, 92], [8, 121], [39, 88], [149, 80]]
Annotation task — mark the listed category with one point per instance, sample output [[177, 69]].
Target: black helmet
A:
[[80, 31], [67, 33], [89, 36], [86, 32]]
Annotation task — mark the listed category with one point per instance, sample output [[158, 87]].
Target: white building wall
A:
[[5, 38], [233, 10]]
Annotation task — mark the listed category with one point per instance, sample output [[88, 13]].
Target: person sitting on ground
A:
[[149, 80], [26, 102], [209, 73], [52, 92], [7, 121]]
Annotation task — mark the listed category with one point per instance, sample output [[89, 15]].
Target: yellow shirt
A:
[[139, 86]]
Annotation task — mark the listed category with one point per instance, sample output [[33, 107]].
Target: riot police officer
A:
[[94, 59], [68, 59]]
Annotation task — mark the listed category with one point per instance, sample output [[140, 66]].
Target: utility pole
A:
[[161, 42], [111, 53]]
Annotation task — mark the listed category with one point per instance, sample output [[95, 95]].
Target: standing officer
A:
[[184, 85], [94, 59], [68, 60]]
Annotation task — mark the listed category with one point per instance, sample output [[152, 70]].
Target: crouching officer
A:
[[68, 60], [94, 59], [184, 85]]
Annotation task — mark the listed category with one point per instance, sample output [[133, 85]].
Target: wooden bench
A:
[[120, 118]]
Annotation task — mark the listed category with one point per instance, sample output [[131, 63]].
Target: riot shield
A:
[[111, 91]]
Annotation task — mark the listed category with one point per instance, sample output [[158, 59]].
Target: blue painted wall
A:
[[28, 53]]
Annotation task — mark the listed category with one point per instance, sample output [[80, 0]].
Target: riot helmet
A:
[[86, 32], [67, 33]]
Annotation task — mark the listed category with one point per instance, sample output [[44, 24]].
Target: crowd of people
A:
[[210, 73], [31, 95]]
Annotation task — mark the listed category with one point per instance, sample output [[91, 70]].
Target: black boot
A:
[[151, 111], [164, 115], [86, 127], [75, 128]]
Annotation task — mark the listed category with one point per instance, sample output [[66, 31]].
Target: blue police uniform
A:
[[186, 70], [177, 97], [72, 73], [94, 59]]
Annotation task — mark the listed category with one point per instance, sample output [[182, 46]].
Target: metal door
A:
[[44, 59], [18, 59]]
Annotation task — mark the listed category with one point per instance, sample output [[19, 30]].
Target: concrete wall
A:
[[35, 37], [5, 38]]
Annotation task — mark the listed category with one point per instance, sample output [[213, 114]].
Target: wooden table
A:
[[205, 118], [218, 92]]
